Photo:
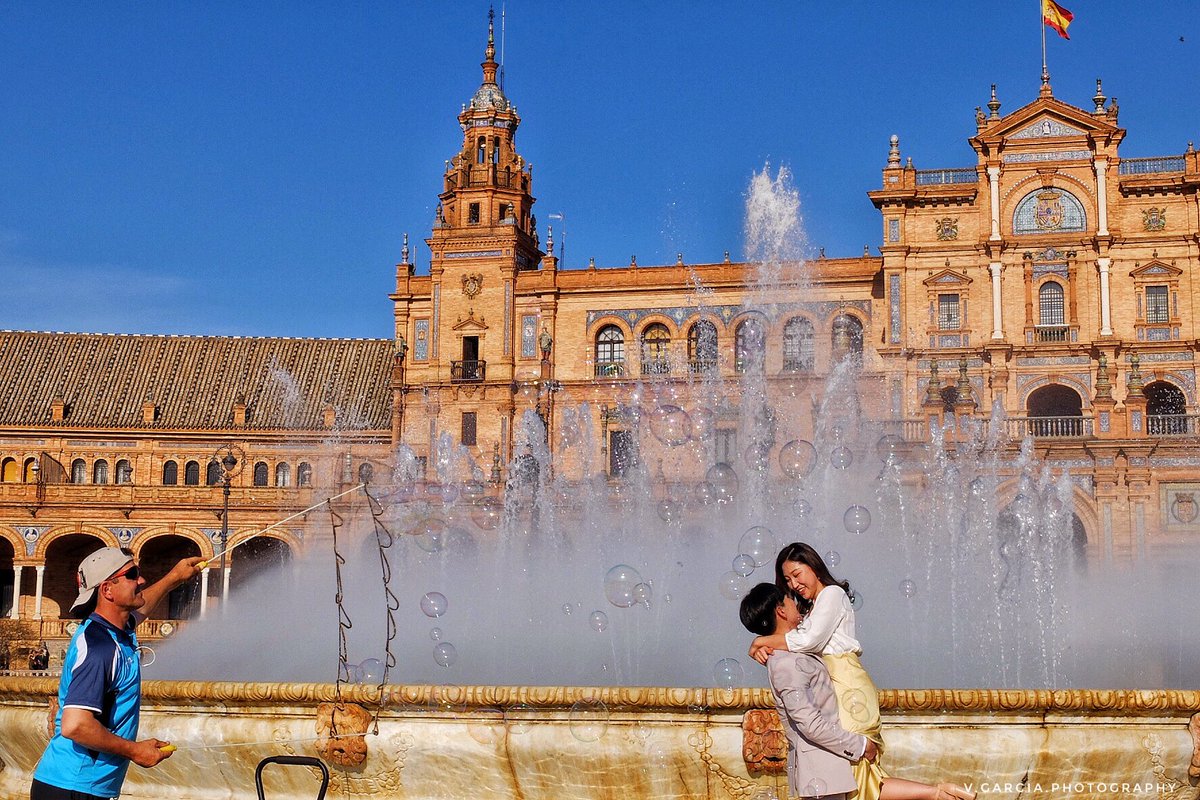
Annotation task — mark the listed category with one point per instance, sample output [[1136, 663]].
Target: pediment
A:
[[1046, 126], [1156, 269], [1048, 118], [471, 323], [947, 277]]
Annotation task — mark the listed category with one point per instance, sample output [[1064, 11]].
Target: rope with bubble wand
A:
[[204, 564], [384, 538]]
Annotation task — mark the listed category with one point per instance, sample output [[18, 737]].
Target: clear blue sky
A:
[[249, 168]]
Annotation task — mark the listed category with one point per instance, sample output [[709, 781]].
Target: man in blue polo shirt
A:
[[100, 693]]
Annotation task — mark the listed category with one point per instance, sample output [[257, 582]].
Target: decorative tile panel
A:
[[1105, 421], [684, 314], [30, 535], [433, 334], [1174, 355], [124, 535], [421, 340], [894, 307], [508, 309], [1059, 155], [1179, 505], [893, 230], [1049, 210], [1136, 422], [1046, 127], [475, 254], [1052, 361], [1039, 270], [529, 336]]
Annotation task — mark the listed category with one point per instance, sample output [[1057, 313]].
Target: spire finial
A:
[[1045, 91], [993, 105], [404, 251], [491, 45], [1099, 98], [894, 151]]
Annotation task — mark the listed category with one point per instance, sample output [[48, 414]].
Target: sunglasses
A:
[[132, 573]]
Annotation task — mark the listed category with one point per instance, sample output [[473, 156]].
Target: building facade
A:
[[1048, 289]]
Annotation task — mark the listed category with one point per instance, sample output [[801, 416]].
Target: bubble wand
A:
[[204, 564], [171, 748]]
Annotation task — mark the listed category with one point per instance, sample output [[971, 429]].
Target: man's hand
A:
[[185, 570], [760, 651], [872, 751], [149, 752]]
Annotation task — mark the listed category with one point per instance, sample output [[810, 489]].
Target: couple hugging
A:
[[827, 702]]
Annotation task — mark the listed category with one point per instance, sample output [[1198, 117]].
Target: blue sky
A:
[[250, 168]]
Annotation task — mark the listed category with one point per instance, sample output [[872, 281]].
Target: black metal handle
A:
[[299, 761]]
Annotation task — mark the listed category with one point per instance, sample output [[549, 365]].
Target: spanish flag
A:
[[1056, 17]]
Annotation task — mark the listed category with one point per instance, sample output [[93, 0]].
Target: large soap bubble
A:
[[433, 604], [445, 654], [743, 564], [371, 671], [733, 586], [704, 423], [797, 458], [430, 534], [598, 620], [705, 493], [757, 456], [888, 448], [473, 491], [619, 583], [642, 594], [856, 519], [841, 457], [758, 543], [670, 511], [724, 481], [728, 673], [671, 425], [588, 720], [487, 514]]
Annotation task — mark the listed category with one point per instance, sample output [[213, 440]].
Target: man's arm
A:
[[81, 726], [762, 646], [182, 572]]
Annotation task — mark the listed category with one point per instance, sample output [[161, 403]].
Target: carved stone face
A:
[[339, 719]]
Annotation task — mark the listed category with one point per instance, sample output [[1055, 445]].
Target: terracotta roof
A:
[[194, 381]]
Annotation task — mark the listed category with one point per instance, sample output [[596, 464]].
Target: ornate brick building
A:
[[1050, 282]]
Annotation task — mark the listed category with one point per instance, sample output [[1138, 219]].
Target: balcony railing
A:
[[933, 177], [702, 366], [797, 365], [1173, 424], [1051, 333], [468, 371], [1151, 166], [1048, 427], [656, 366], [610, 369]]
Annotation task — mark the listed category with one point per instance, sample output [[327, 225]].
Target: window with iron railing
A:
[[799, 353], [1157, 306], [949, 316], [1051, 308]]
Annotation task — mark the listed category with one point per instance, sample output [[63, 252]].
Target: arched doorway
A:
[[8, 589], [156, 558], [1166, 409], [63, 556], [1055, 410], [256, 557]]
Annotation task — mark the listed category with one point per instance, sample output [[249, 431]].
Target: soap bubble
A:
[[430, 533], [486, 725], [705, 493], [724, 481], [618, 585], [433, 604], [797, 458], [757, 456], [802, 507], [598, 620], [517, 716], [816, 788], [371, 670], [908, 588], [354, 673], [642, 593], [857, 706], [669, 510], [758, 543], [841, 457], [487, 514], [857, 600], [473, 491], [671, 425], [567, 609], [588, 720], [888, 448], [766, 794], [728, 673], [704, 423], [856, 519], [444, 654], [732, 585], [449, 493], [833, 558], [435, 634], [743, 564]]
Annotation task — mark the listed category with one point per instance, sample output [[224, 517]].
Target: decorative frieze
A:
[[681, 314]]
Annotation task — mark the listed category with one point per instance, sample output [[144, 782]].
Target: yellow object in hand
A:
[[202, 565], [168, 748]]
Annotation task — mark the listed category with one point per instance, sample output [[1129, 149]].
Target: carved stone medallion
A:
[[947, 229], [472, 285], [1154, 219]]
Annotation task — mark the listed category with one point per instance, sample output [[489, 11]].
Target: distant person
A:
[[100, 692], [827, 630], [39, 657]]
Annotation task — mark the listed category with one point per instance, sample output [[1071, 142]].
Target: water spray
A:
[[204, 564]]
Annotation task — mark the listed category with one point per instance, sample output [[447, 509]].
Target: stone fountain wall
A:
[[530, 743]]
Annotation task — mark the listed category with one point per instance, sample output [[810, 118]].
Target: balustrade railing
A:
[[610, 369], [1173, 424], [928, 177], [1151, 166], [1051, 333], [656, 366], [468, 371], [702, 366], [1048, 427]]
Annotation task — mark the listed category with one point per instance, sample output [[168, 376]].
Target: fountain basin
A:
[[571, 742]]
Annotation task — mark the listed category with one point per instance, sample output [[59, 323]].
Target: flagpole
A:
[[1042, 25]]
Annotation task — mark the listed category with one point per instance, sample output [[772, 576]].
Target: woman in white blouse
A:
[[827, 630]]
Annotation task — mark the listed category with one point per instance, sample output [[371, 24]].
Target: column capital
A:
[[993, 172]]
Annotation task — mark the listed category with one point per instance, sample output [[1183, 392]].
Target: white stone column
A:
[[203, 592], [37, 602], [994, 186], [15, 611], [1101, 197], [1105, 264], [225, 583], [997, 307]]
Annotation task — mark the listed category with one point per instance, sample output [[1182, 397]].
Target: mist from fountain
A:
[[961, 555]]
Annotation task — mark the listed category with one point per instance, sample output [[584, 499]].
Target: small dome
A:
[[490, 97]]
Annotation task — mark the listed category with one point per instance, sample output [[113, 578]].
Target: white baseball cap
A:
[[96, 569]]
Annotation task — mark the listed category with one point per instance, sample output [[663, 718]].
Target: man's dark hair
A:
[[758, 608]]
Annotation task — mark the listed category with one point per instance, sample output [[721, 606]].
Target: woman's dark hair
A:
[[804, 554]]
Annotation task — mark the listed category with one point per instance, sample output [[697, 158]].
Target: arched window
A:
[[750, 345], [30, 473], [496, 150], [481, 150], [124, 471], [8, 473], [170, 473], [304, 474], [283, 475], [1055, 410], [610, 351], [798, 350], [847, 338], [100, 471], [702, 346], [191, 473], [1052, 317], [260, 473], [78, 471], [656, 344], [212, 474], [1166, 410]]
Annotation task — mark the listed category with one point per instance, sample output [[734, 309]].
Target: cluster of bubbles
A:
[[434, 605], [624, 587]]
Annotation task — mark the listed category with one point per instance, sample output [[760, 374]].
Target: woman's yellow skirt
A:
[[858, 711]]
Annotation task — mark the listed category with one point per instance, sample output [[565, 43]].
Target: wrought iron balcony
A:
[[933, 177], [656, 366], [797, 365], [702, 366], [610, 369], [1051, 333], [468, 371], [1173, 424], [1151, 166]]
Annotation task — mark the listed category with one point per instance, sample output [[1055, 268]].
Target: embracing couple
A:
[[827, 701]]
